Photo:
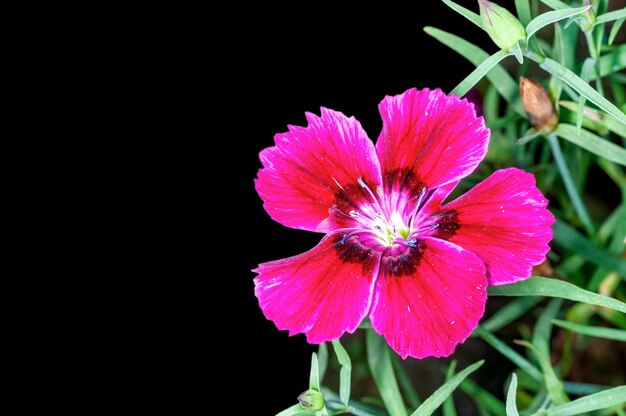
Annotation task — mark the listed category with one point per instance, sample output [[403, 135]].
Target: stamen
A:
[[354, 214], [369, 191], [419, 203]]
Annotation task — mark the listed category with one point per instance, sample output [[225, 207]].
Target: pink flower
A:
[[392, 251]]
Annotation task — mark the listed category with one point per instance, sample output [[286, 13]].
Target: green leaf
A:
[[345, 374], [509, 352], [610, 16], [322, 359], [468, 14], [296, 410], [541, 286], [570, 187], [314, 377], [592, 143], [436, 399], [554, 16], [597, 119], [568, 77], [610, 226], [333, 402], [498, 76], [569, 238], [555, 4], [405, 382], [615, 29], [480, 71], [523, 11], [510, 312], [585, 74], [602, 400], [581, 389], [511, 407], [448, 404], [380, 366], [552, 383], [593, 331], [543, 329], [528, 137], [612, 62], [558, 53], [482, 398]]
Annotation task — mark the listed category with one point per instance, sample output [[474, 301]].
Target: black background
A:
[[346, 60]]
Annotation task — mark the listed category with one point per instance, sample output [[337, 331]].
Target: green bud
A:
[[587, 19], [503, 28], [311, 400]]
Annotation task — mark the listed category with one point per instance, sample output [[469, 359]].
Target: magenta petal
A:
[[430, 137], [321, 293], [504, 220], [428, 312], [309, 166]]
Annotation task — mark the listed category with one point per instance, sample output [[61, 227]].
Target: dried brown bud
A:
[[543, 269], [538, 105]]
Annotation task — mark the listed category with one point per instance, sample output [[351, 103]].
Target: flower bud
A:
[[503, 28], [588, 19], [311, 400], [538, 106]]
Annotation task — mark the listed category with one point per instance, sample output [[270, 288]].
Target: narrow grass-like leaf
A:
[[569, 238], [345, 374], [541, 286], [491, 104], [548, 18], [314, 376], [615, 29], [610, 16], [296, 410], [466, 13], [543, 329], [322, 359], [598, 118], [436, 399], [511, 407], [558, 53], [448, 404], [581, 389], [478, 73], [539, 401], [498, 76], [551, 381], [613, 62], [541, 346], [523, 11], [602, 400], [593, 331], [555, 4], [517, 51], [356, 408], [567, 76], [528, 137], [405, 383], [570, 187], [510, 312], [611, 224], [482, 398], [615, 172], [509, 352], [585, 74], [382, 371]]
